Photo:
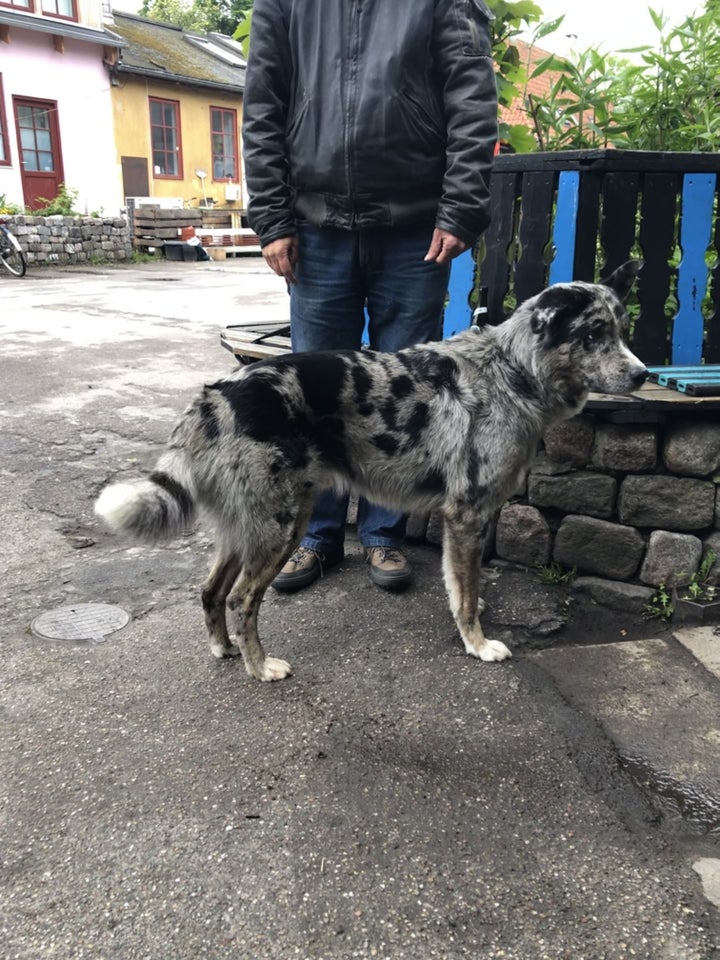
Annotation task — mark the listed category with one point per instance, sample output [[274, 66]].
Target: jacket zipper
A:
[[351, 97]]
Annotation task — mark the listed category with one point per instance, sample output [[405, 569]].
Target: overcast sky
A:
[[610, 24]]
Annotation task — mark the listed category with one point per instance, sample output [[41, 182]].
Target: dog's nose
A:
[[639, 376]]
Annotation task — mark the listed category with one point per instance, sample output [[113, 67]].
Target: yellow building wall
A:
[[131, 114]]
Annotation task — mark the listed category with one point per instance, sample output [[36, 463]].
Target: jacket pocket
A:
[[473, 18], [422, 116], [297, 118]]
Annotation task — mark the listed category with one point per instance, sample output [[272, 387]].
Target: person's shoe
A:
[[303, 568], [389, 567]]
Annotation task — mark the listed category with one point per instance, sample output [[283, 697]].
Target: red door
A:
[[40, 155]]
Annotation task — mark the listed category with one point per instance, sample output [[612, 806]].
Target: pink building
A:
[[56, 122]]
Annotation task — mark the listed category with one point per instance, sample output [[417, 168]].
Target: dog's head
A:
[[579, 332]]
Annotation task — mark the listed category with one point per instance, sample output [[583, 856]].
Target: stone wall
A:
[[627, 502], [58, 239]]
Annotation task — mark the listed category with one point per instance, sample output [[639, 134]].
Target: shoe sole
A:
[[291, 582], [394, 582]]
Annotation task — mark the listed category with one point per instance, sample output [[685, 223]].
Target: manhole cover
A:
[[92, 622]]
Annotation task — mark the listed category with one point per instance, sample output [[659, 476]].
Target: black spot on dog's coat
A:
[[261, 412], [179, 494], [441, 372], [401, 386], [563, 305], [208, 419], [417, 421], [329, 439], [321, 377], [386, 442], [388, 412], [432, 482], [362, 383], [521, 383]]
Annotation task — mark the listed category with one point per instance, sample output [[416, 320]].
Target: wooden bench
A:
[[256, 341]]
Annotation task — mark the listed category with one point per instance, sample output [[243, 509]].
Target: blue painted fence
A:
[[578, 215]]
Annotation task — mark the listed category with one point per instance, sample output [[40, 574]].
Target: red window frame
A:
[[4, 161], [56, 13], [26, 8], [175, 104], [220, 112]]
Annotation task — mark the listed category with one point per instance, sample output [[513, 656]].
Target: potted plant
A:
[[699, 600]]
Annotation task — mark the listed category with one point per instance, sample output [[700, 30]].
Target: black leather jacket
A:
[[362, 113]]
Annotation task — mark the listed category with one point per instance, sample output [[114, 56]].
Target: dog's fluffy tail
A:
[[157, 508]]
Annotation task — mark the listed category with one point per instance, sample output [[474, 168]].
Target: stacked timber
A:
[[152, 226]]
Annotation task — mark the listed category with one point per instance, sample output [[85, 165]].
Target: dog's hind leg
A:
[[214, 594], [463, 539], [244, 602], [246, 595]]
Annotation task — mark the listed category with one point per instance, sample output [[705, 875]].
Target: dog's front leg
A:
[[463, 540]]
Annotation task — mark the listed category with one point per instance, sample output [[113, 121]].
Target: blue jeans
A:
[[339, 274]]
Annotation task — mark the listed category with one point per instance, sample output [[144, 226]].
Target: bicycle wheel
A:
[[11, 255]]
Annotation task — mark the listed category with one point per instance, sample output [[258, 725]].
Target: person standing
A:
[[368, 132]]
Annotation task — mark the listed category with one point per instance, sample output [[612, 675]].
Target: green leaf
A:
[[521, 139], [554, 63], [657, 18], [548, 27]]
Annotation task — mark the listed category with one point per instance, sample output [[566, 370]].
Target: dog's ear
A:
[[621, 280], [555, 308]]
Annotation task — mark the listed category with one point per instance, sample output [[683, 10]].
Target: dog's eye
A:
[[590, 339]]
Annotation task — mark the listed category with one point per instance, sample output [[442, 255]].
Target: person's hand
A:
[[445, 246], [282, 257]]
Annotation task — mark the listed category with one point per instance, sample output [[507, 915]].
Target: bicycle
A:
[[11, 253]]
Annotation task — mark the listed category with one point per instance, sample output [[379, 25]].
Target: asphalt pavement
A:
[[393, 799]]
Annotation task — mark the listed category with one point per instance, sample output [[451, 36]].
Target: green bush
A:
[[62, 205]]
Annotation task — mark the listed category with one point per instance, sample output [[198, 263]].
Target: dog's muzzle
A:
[[639, 376]]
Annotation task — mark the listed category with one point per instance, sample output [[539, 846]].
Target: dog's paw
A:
[[491, 651], [495, 650], [274, 669], [224, 651]]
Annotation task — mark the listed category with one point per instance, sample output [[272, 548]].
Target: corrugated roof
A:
[[163, 51]]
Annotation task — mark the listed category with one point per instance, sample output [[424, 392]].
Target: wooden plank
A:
[[651, 332], [151, 223], [243, 342], [186, 214], [652, 397], [617, 230], [608, 161], [695, 230], [164, 233], [538, 192], [462, 281], [588, 222], [711, 352], [495, 268], [565, 227]]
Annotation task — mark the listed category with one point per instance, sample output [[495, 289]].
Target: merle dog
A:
[[449, 427]]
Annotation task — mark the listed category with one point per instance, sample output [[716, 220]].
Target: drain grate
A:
[[92, 622]]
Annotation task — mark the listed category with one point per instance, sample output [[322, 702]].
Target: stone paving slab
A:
[[661, 708], [704, 644]]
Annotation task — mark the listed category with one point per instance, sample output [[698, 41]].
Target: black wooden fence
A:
[[578, 215]]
